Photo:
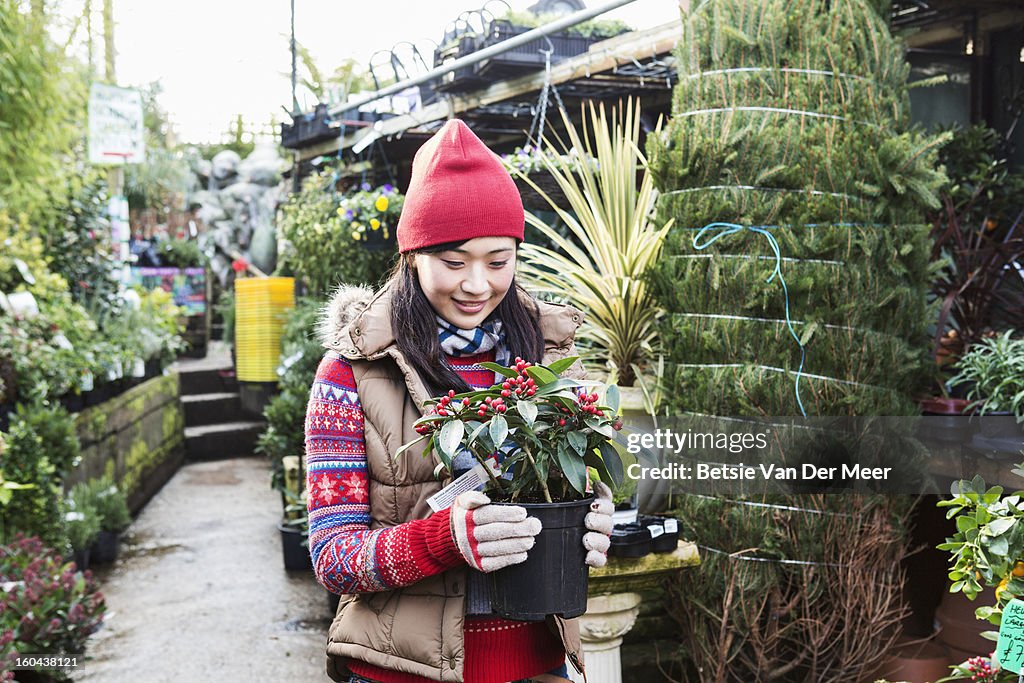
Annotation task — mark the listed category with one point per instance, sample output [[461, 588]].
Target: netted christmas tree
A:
[[791, 124]]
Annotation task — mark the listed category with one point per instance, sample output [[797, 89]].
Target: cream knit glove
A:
[[599, 521], [491, 536]]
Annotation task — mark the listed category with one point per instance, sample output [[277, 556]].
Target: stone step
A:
[[199, 379], [208, 409], [219, 441]]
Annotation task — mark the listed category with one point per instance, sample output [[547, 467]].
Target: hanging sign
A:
[[116, 131]]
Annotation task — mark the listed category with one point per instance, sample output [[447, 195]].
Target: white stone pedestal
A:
[[608, 618]]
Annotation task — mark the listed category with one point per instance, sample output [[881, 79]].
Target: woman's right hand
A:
[[490, 536]]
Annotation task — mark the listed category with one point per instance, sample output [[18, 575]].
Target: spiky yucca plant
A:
[[615, 242]]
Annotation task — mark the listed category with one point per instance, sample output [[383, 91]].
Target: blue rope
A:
[[725, 229]]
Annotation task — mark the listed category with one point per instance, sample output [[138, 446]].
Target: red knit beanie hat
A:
[[459, 190]]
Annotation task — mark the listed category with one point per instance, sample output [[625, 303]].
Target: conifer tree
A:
[[792, 117]]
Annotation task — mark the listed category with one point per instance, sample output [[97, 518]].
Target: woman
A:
[[414, 608]]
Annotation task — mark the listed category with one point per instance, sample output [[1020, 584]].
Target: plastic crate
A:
[[261, 310]]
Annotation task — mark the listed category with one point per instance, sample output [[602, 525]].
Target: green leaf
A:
[[563, 364], [558, 385], [528, 411], [578, 441], [612, 398], [964, 524], [498, 430], [500, 369], [451, 437], [541, 375], [573, 468], [613, 462], [601, 428], [1000, 526]]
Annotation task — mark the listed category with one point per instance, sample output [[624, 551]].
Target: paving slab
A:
[[200, 592]]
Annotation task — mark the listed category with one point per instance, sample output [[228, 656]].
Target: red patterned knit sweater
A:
[[348, 557]]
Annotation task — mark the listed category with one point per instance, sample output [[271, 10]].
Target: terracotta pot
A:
[[914, 662], [960, 628], [941, 405]]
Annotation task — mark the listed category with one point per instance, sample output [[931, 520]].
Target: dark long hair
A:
[[415, 327]]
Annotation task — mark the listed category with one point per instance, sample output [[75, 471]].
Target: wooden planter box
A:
[[137, 438]]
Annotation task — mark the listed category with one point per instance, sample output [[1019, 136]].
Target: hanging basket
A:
[[533, 200]]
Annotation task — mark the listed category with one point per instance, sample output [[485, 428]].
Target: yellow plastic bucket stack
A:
[[261, 310]]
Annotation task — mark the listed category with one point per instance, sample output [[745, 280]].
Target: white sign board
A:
[[116, 131]]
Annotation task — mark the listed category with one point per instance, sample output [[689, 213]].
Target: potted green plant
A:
[[613, 242], [111, 506], [994, 369], [294, 526], [548, 430], [82, 524]]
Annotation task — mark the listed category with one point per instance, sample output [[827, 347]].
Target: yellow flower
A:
[[355, 235], [374, 223], [381, 203], [385, 233]]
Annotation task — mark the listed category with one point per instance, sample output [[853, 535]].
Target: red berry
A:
[[561, 422], [506, 385], [506, 393], [481, 412], [442, 412], [451, 393], [531, 392], [465, 401], [488, 400], [502, 408]]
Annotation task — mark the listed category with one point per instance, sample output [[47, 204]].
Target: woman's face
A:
[[464, 285]]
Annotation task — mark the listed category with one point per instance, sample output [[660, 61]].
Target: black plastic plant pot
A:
[[553, 580], [105, 548], [630, 540], [664, 532], [1000, 426], [81, 559], [296, 555]]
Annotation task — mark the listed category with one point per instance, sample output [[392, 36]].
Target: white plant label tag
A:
[[656, 530], [671, 526], [470, 481]]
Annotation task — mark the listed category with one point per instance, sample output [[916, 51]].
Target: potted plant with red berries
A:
[[546, 431]]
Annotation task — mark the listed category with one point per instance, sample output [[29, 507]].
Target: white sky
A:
[[220, 58]]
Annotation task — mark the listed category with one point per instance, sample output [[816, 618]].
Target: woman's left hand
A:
[[599, 521]]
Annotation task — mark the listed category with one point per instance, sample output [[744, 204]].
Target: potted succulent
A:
[[546, 430], [995, 368]]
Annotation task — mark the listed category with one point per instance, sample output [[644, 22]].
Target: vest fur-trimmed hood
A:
[[357, 322]]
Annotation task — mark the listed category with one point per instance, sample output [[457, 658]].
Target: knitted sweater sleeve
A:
[[349, 557]]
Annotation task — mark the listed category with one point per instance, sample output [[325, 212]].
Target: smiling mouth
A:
[[470, 305]]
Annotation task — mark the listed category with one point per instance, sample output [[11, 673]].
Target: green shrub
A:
[[181, 254], [109, 503], [42, 446], [82, 524], [286, 412], [331, 238]]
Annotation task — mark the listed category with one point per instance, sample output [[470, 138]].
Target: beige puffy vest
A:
[[416, 629]]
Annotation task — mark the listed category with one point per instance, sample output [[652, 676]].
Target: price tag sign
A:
[[1010, 647]]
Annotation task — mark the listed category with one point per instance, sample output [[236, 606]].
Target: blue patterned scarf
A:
[[457, 342]]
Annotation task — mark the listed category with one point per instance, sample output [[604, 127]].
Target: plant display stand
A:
[[614, 604]]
